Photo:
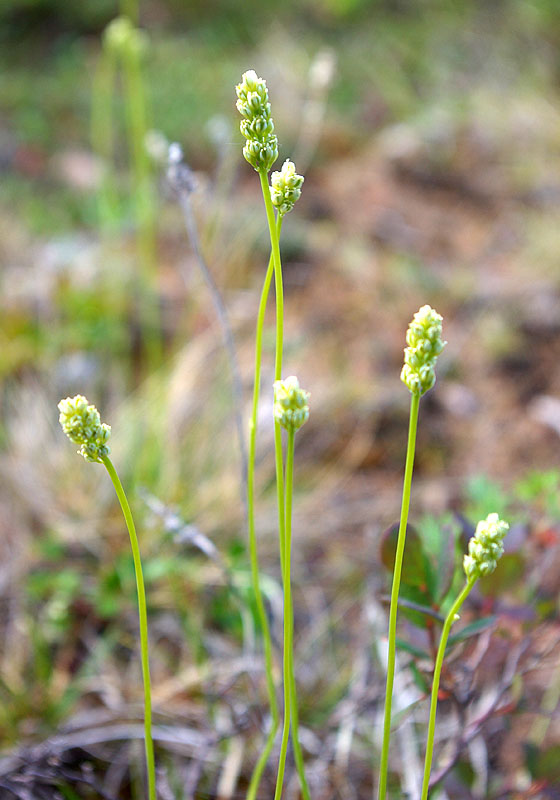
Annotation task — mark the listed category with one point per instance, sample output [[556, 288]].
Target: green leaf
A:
[[471, 630], [484, 494], [439, 538], [417, 577], [543, 764], [507, 575], [417, 652], [419, 679], [416, 570]]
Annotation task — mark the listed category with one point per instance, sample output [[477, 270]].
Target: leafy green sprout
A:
[[82, 424]]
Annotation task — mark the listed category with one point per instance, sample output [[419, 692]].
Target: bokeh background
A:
[[429, 135]]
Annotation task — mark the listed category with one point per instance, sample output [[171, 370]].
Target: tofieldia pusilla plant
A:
[[261, 151], [82, 424], [485, 548], [424, 344]]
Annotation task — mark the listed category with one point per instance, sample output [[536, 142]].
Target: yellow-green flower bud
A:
[[285, 187], [82, 424], [485, 547], [122, 38], [257, 126], [291, 407], [424, 346]]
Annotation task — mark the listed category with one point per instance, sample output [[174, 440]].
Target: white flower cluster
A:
[[285, 187], [291, 407], [485, 547], [424, 346], [261, 147], [82, 424]]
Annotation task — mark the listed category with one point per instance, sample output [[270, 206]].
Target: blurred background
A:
[[429, 135]]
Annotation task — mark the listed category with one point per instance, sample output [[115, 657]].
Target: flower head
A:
[[261, 148], [285, 187], [485, 547], [81, 422], [122, 38], [424, 346], [291, 407]]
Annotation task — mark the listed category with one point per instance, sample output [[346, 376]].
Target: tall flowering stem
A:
[[253, 552], [81, 422], [485, 548], [424, 344], [261, 151], [291, 411]]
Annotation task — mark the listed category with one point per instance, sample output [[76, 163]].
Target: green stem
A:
[[278, 285], [102, 136], [289, 620], [129, 8], [144, 202], [449, 620], [411, 446], [143, 616], [275, 245], [263, 759]]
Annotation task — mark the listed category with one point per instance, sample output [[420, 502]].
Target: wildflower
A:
[[257, 126], [424, 346], [291, 408], [485, 547], [82, 424], [285, 188], [122, 38]]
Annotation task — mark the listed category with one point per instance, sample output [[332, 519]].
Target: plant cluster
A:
[[290, 410]]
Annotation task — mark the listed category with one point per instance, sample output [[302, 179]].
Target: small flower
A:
[[424, 346], [82, 424], [285, 187], [291, 407], [257, 126], [122, 38], [485, 547]]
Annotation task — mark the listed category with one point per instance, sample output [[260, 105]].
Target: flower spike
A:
[[291, 407], [82, 424], [485, 547], [261, 147], [424, 346], [285, 187]]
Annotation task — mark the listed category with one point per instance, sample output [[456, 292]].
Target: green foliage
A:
[[483, 493], [429, 566], [543, 763], [541, 489]]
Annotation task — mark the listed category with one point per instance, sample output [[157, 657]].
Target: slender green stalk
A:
[[102, 135], [289, 619], [267, 641], [414, 403], [129, 8], [449, 620], [275, 244], [137, 128], [144, 201], [277, 264], [143, 616], [278, 284], [290, 697]]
